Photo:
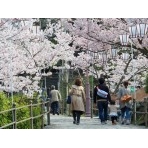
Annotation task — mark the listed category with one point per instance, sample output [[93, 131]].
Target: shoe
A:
[[127, 122], [74, 122], [114, 123], [77, 123], [123, 121], [57, 113], [103, 123]]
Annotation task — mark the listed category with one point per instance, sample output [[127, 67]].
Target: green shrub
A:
[[146, 84], [37, 121], [21, 114], [5, 104]]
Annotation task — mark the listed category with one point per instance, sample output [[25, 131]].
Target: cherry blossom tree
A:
[[100, 35], [24, 54]]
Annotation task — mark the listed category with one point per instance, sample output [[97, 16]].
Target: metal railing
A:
[[15, 109]]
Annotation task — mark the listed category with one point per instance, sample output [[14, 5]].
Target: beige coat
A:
[[55, 95], [78, 98]]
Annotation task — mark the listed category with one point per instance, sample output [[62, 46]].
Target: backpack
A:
[[101, 93]]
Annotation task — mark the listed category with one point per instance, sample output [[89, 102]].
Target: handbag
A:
[[101, 93], [126, 98], [68, 100]]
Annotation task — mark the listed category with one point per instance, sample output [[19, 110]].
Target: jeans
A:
[[55, 107], [103, 110], [125, 113]]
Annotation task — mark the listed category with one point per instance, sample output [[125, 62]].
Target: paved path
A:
[[66, 122]]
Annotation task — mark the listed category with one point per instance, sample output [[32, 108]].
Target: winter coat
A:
[[77, 98], [55, 95], [123, 91]]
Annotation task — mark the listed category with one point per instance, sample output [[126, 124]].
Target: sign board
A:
[[132, 89]]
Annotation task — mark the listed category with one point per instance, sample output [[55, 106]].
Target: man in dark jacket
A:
[[102, 103]]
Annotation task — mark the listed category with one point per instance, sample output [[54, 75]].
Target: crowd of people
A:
[[107, 106]]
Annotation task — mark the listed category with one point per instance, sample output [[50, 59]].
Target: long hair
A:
[[78, 82]]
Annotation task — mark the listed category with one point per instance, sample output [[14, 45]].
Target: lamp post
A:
[[138, 32], [87, 95], [88, 111], [44, 89], [11, 75], [124, 41], [94, 56], [113, 53]]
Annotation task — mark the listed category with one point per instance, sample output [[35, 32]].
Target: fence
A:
[[14, 111], [42, 104], [145, 112]]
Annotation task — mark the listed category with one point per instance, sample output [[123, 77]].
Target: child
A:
[[113, 112]]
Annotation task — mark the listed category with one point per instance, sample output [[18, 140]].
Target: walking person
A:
[[78, 100], [124, 106], [55, 98], [102, 101], [113, 112]]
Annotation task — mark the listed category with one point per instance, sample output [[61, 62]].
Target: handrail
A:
[[7, 125], [1, 112], [15, 109], [21, 107], [22, 120]]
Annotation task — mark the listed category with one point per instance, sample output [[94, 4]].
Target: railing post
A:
[[48, 112], [14, 116], [91, 107], [134, 111], [145, 110], [42, 114], [31, 115], [63, 107]]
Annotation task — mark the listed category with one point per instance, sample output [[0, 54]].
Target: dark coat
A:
[[102, 87]]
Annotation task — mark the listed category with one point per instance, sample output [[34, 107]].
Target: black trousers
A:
[[55, 107], [77, 115]]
